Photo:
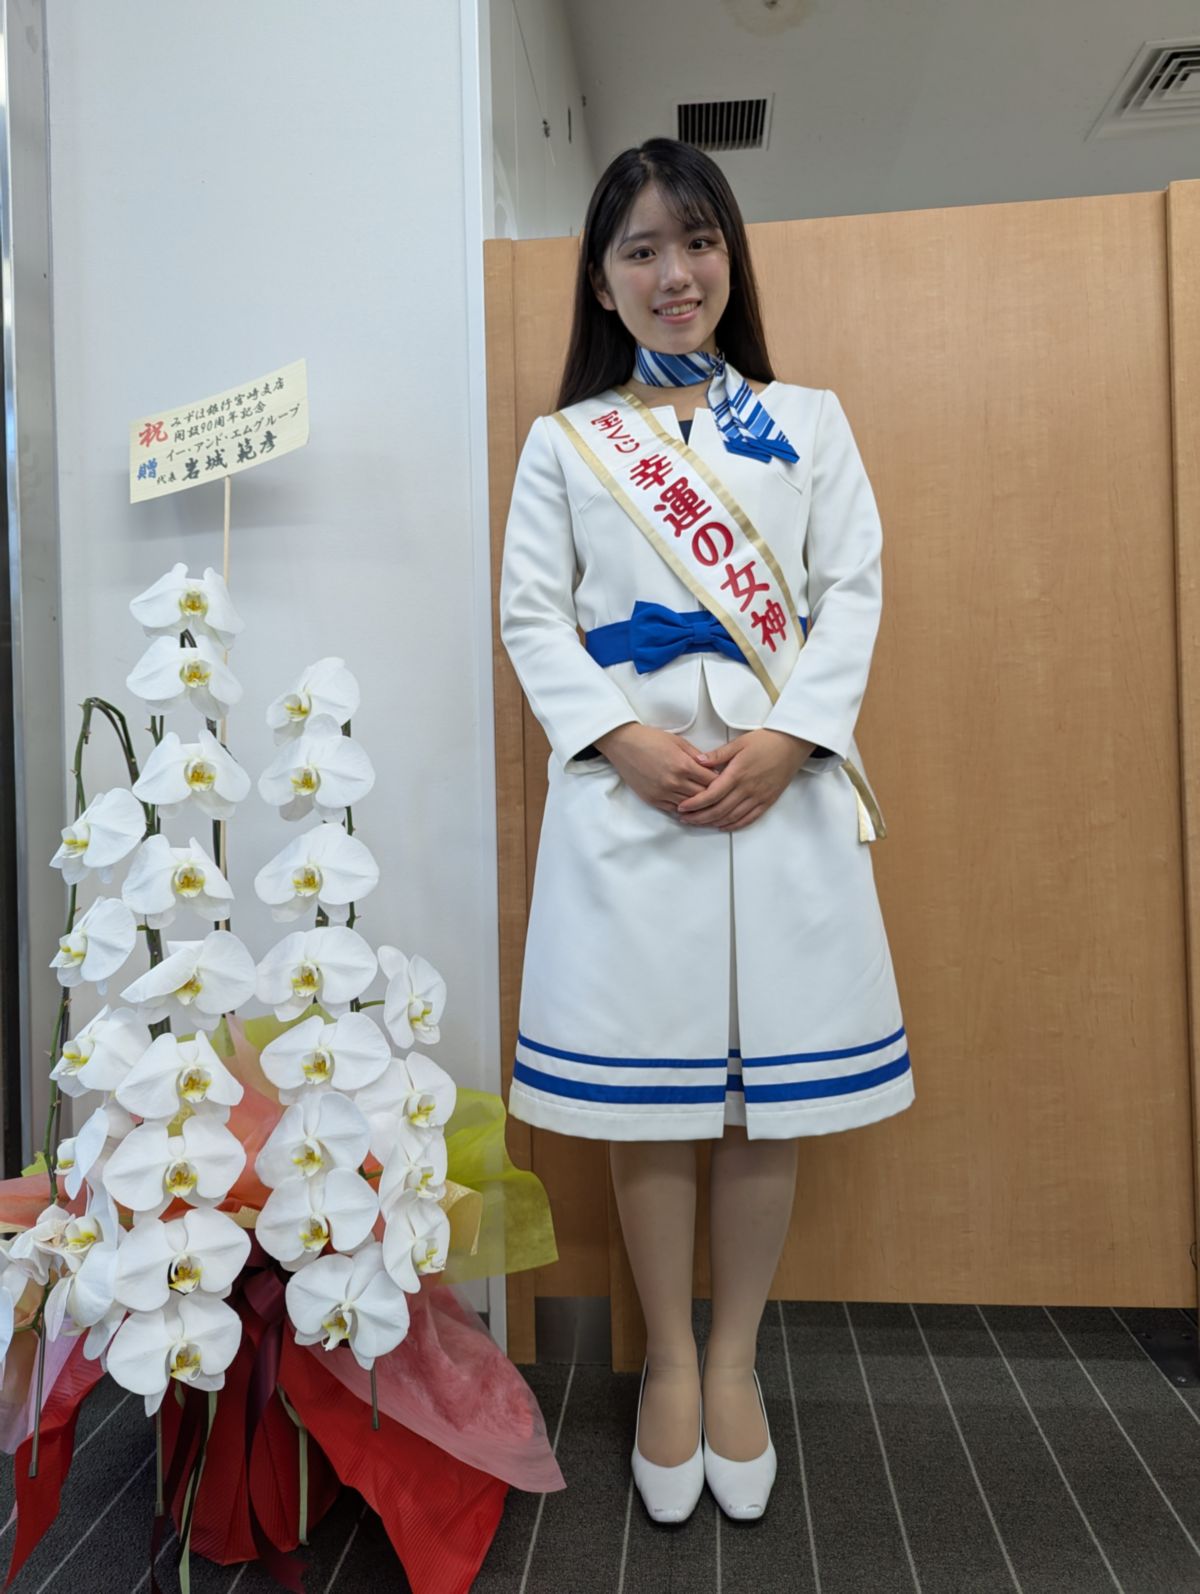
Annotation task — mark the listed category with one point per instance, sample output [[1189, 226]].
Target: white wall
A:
[[234, 187], [541, 185]]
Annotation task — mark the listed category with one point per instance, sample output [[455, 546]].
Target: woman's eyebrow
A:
[[698, 226]]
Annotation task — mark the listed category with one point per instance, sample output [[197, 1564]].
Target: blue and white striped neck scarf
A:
[[743, 423]]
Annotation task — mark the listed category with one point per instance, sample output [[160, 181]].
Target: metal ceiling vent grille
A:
[[724, 124], [1161, 90]]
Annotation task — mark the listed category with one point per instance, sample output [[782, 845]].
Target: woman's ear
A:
[[600, 290]]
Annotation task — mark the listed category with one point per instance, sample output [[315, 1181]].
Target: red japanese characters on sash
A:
[[695, 524]]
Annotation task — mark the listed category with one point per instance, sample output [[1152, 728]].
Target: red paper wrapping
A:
[[440, 1514], [37, 1498]]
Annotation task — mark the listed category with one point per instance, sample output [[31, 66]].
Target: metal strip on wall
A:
[[31, 912]]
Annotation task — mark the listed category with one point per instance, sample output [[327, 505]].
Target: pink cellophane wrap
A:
[[19, 1392], [22, 1201], [451, 1383]]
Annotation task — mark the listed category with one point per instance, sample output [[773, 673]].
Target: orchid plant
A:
[[356, 1164]]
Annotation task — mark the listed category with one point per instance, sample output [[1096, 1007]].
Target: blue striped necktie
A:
[[744, 424]]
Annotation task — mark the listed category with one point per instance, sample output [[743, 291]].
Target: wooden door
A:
[[1023, 381]]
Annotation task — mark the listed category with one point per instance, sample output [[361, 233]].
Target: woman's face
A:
[[652, 263]]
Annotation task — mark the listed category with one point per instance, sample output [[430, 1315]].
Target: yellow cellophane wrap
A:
[[515, 1230], [499, 1214]]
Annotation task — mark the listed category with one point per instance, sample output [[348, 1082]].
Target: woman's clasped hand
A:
[[728, 788]]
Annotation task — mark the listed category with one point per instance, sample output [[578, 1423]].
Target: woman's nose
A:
[[676, 270]]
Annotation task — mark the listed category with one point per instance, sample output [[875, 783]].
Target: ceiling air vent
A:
[[724, 124], [1160, 91]]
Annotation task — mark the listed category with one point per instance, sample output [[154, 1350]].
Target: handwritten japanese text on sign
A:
[[219, 436]]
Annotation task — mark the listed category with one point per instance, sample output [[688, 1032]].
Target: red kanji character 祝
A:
[[651, 471], [772, 622], [683, 505], [743, 585], [152, 432], [704, 543]]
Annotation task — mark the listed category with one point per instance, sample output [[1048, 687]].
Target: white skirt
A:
[[678, 979]]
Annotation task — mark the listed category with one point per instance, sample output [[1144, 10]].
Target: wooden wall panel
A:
[[1183, 256], [1008, 373]]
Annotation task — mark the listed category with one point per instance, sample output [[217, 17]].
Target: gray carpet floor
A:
[[922, 1450]]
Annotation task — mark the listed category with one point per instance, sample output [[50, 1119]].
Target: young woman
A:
[[706, 957]]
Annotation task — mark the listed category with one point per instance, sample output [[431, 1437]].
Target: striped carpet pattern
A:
[[922, 1450]]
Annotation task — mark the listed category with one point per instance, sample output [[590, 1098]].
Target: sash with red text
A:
[[696, 525]]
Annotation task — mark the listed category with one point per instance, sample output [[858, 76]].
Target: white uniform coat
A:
[[626, 998]]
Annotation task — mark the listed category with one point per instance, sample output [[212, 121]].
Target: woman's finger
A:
[[719, 789], [717, 816]]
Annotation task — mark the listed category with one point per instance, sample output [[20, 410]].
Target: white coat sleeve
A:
[[573, 698], [821, 698]]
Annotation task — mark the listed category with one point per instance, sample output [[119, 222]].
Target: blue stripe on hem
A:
[[622, 1062], [844, 1086], [637, 1095], [822, 1057]]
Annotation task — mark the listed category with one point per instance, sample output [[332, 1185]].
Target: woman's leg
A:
[[655, 1184], [751, 1190]]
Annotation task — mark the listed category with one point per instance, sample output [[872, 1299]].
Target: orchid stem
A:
[[41, 1370], [374, 1402], [159, 1505]]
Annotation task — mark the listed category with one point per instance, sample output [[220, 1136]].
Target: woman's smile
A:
[[684, 310]]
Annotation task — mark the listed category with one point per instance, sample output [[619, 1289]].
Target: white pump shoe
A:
[[742, 1488], [669, 1493]]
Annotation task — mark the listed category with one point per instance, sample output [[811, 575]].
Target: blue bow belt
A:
[[654, 635]]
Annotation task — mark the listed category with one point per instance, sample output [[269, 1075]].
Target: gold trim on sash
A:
[[667, 553], [870, 820], [728, 501]]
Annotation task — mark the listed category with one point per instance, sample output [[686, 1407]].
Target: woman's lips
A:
[[687, 316]]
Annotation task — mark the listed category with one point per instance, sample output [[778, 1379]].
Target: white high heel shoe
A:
[[668, 1493], [741, 1488]]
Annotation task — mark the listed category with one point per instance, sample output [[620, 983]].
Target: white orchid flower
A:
[[85, 1294], [173, 1074], [331, 965], [321, 768], [167, 676], [203, 1250], [163, 879], [39, 1247], [416, 1162], [315, 1056], [414, 1000], [96, 945], [201, 772], [85, 1154], [320, 1132], [197, 983], [325, 867], [352, 1299], [102, 1053], [301, 1216], [178, 602], [152, 1167], [99, 1225], [326, 687], [107, 830], [412, 1090], [415, 1241], [193, 1339]]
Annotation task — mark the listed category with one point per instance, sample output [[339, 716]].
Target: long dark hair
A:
[[601, 350]]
